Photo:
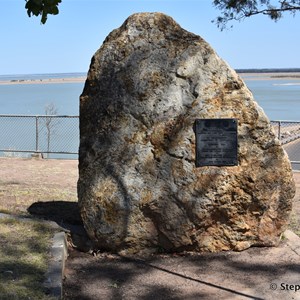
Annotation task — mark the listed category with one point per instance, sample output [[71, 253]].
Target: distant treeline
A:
[[286, 70]]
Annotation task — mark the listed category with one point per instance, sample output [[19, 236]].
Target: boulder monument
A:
[[139, 189]]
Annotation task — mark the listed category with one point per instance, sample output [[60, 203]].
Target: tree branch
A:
[[240, 9]]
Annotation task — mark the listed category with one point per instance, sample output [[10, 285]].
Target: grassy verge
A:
[[24, 250]]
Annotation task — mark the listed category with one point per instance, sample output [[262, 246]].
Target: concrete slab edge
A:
[[55, 273]]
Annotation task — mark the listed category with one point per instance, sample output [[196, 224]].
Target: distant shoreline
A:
[[244, 75], [269, 70], [269, 76], [43, 81]]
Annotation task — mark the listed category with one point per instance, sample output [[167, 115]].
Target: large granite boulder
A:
[[138, 188]]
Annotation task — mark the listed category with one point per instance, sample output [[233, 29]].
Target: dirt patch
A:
[[27, 181], [253, 274], [47, 188]]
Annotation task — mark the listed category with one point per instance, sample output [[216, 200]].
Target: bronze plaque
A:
[[216, 142]]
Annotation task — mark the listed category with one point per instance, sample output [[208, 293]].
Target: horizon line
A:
[[238, 70]]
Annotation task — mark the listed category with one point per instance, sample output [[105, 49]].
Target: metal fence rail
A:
[[45, 134], [59, 136], [288, 132]]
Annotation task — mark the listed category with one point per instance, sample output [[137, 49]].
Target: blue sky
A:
[[67, 41]]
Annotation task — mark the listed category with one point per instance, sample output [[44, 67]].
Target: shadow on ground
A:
[[65, 214], [256, 273], [223, 276], [61, 212]]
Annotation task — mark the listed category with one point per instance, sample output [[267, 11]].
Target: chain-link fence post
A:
[[36, 134], [24, 135]]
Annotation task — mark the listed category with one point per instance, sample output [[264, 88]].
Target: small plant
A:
[[282, 237], [50, 123], [115, 284]]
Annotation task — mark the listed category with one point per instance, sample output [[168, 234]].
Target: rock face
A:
[[138, 188]]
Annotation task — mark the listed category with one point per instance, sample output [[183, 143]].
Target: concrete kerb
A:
[[55, 273], [58, 255]]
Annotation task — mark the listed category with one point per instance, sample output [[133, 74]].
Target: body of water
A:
[[30, 95], [31, 99], [280, 99]]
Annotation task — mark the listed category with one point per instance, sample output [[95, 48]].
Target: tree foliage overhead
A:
[[42, 8], [230, 9], [241, 9]]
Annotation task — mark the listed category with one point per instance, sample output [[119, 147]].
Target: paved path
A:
[[257, 273], [293, 151]]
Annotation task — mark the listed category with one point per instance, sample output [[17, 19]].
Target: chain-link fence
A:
[[288, 132], [50, 136], [58, 136]]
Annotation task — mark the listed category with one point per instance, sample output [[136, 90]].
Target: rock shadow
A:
[[61, 212], [67, 216]]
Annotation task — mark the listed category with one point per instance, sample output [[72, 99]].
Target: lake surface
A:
[[31, 99], [280, 99]]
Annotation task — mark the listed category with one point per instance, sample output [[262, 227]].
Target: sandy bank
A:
[[245, 76], [270, 76], [44, 81]]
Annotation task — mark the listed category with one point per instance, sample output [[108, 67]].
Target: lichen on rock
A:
[[138, 188]]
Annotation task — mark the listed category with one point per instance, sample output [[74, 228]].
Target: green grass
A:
[[24, 256]]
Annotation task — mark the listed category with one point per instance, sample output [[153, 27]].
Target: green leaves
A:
[[240, 9], [42, 8]]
